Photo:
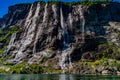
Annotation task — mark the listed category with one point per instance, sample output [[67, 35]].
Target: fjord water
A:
[[57, 77]]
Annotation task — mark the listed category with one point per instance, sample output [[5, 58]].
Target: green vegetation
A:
[[3, 49], [82, 2], [110, 51], [95, 67], [108, 63], [51, 70], [5, 34], [51, 48], [23, 68], [43, 59]]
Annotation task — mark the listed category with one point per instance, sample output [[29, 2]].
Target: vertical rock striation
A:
[[58, 32]]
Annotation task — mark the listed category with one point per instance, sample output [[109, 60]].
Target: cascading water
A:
[[82, 22], [29, 34], [71, 24], [65, 51], [45, 13], [63, 56], [35, 16], [70, 18], [55, 12], [28, 19], [70, 62], [40, 28]]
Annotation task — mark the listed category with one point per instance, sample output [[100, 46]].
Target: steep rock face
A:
[[59, 35], [15, 15]]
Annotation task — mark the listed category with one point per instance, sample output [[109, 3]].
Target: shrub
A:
[[33, 68], [106, 50], [5, 34], [26, 69], [2, 49]]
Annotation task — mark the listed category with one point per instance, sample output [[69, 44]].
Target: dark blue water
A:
[[57, 77]]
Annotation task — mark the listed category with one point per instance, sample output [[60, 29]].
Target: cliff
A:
[[15, 14], [61, 36]]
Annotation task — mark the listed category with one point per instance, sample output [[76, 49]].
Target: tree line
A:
[[82, 2], [78, 0]]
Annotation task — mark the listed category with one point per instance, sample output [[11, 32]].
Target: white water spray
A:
[[71, 46], [29, 34], [28, 19], [65, 51], [45, 13], [35, 17], [40, 28], [70, 21], [82, 22], [54, 10], [29, 15], [63, 56]]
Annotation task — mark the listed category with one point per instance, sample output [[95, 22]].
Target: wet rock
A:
[[75, 31], [118, 72], [105, 72], [41, 36]]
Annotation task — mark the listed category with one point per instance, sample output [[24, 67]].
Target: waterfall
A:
[[70, 17], [82, 22], [65, 51], [40, 28], [35, 16], [71, 24], [28, 19], [64, 31], [12, 40], [55, 12], [29, 15], [70, 21], [70, 62], [63, 56], [27, 40], [45, 13]]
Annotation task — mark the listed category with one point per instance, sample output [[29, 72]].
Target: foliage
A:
[[26, 69], [5, 34], [2, 49], [48, 69], [110, 51], [51, 48], [23, 68], [98, 65], [82, 2], [110, 63], [102, 62]]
